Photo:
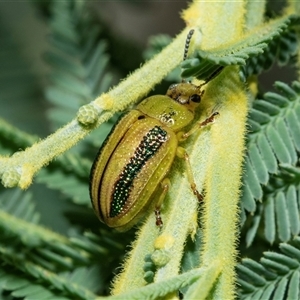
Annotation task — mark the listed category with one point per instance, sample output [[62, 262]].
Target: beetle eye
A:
[[195, 98]]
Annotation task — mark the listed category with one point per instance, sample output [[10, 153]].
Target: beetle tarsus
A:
[[196, 192], [198, 195], [159, 221], [210, 119]]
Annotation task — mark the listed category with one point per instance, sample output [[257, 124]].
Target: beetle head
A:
[[186, 94]]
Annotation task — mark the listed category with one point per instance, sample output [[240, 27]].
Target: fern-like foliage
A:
[[275, 277], [86, 78], [66, 285], [50, 257], [78, 60], [19, 223], [281, 50], [78, 63], [247, 52], [17, 81], [273, 140]]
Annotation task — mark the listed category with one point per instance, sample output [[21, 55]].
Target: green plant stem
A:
[[135, 86]]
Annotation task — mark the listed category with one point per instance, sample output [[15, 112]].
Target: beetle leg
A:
[[207, 121], [183, 154], [158, 221], [165, 184]]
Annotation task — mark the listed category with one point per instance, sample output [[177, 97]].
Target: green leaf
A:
[[20, 205], [70, 185], [251, 233], [282, 219], [275, 277], [282, 259], [292, 207], [260, 169], [269, 215], [293, 290], [252, 180], [278, 145], [290, 250], [267, 155], [248, 200], [280, 291]]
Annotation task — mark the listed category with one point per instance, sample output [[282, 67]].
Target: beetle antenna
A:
[[185, 53], [187, 43], [214, 74], [211, 76]]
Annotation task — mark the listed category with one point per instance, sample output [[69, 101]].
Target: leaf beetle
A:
[[129, 174]]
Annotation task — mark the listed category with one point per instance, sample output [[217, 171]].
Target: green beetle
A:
[[129, 174]]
